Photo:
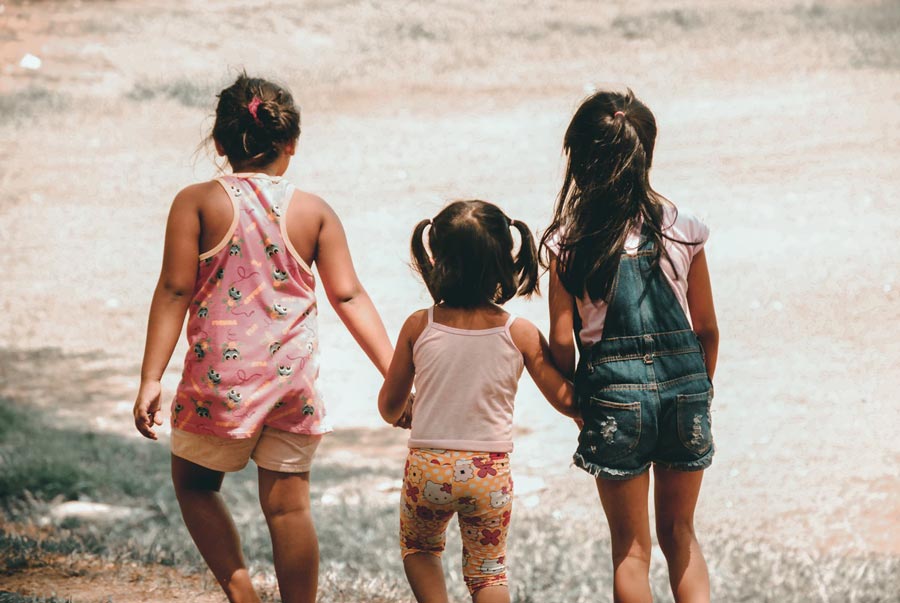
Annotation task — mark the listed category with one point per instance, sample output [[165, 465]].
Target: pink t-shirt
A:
[[253, 357], [684, 227], [466, 382]]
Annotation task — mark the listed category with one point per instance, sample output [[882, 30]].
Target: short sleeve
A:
[[692, 230]]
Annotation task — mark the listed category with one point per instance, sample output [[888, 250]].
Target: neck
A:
[[276, 168]]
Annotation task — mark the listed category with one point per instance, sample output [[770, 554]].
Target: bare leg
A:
[[492, 594], [676, 495], [625, 505], [210, 525], [426, 577], [284, 498]]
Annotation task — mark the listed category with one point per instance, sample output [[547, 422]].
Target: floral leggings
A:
[[476, 485]]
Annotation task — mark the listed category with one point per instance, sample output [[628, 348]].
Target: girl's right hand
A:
[[405, 420], [146, 408]]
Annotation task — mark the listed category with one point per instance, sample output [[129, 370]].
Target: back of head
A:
[[468, 260], [254, 120], [609, 145]]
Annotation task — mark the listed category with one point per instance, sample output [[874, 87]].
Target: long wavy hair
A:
[[606, 192], [468, 259]]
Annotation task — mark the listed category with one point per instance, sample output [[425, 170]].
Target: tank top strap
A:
[[512, 318], [430, 316]]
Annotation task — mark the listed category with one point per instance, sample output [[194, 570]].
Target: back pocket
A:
[[611, 429], [692, 412]]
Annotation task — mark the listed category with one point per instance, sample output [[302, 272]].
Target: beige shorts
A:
[[271, 449]]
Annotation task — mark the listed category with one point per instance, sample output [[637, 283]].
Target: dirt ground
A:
[[778, 125]]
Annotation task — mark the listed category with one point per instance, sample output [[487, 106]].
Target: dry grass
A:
[[550, 557]]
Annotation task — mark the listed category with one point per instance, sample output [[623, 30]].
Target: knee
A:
[[674, 534], [273, 508]]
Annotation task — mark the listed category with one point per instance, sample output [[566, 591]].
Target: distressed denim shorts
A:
[[629, 427]]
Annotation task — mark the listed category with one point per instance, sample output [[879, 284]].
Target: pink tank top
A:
[[253, 357], [466, 382]]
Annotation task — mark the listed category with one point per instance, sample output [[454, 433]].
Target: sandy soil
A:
[[777, 126]]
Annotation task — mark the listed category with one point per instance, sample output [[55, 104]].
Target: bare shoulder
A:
[[415, 324], [524, 334], [310, 203], [199, 192]]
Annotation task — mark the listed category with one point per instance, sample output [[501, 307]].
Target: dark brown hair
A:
[[254, 119], [471, 260], [605, 193]]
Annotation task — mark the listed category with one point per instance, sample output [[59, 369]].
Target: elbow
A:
[[385, 409], [707, 333]]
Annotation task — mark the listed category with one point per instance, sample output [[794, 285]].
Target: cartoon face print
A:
[[274, 347], [279, 404], [201, 407], [214, 377], [500, 498], [279, 311], [285, 370], [199, 351], [271, 249], [309, 409], [493, 566], [463, 471], [438, 494], [202, 309], [230, 351], [178, 408], [234, 293], [235, 247], [232, 400], [276, 210], [279, 275]]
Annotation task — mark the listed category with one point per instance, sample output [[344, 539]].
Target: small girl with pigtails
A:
[[465, 355], [237, 260]]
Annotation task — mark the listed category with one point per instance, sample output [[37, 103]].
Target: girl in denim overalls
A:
[[628, 277]]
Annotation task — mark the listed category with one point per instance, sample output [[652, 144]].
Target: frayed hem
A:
[[607, 472], [698, 465]]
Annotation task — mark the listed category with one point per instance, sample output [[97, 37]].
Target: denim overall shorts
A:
[[643, 389]]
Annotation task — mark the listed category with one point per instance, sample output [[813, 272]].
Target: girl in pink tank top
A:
[[465, 355], [237, 262]]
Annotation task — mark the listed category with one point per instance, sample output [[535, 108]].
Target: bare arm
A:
[[169, 306], [562, 324], [346, 294], [703, 313], [536, 353], [394, 395]]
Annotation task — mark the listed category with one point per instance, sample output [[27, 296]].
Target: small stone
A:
[[777, 306], [29, 61], [113, 303]]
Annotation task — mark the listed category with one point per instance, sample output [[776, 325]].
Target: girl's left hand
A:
[[146, 408]]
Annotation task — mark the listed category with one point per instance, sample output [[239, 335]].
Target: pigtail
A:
[[421, 260], [526, 262]]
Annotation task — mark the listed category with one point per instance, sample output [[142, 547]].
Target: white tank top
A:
[[466, 382]]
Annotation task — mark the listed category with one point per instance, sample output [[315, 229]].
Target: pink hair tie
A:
[[252, 106], [618, 113]]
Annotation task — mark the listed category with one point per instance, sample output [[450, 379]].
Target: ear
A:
[[290, 148], [220, 151]]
